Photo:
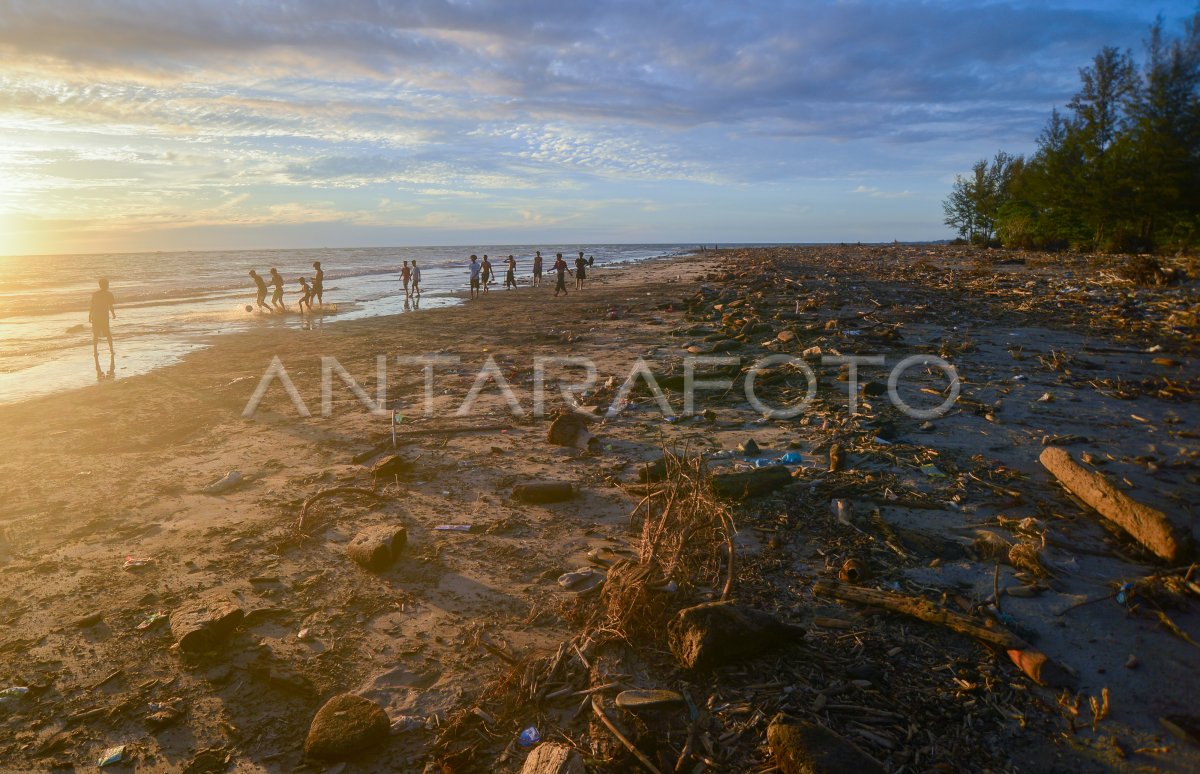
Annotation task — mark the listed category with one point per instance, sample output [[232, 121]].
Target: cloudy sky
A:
[[187, 124]]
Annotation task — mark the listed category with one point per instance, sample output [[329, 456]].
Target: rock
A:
[[801, 747], [390, 465], [204, 624], [652, 472], [543, 492], [345, 726], [375, 548], [786, 335], [749, 448], [551, 758], [750, 483], [718, 633], [644, 700], [569, 429]]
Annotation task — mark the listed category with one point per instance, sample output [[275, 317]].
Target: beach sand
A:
[[118, 470]]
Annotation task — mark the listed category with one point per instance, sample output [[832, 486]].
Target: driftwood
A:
[[1146, 525], [1037, 666]]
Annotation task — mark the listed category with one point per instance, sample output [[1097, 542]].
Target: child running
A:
[[305, 295], [277, 296]]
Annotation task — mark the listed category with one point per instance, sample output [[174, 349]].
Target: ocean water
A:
[[170, 304]]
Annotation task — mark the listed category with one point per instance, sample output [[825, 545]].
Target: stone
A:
[[786, 335], [390, 465], [552, 758], [345, 726], [800, 747], [652, 472], [376, 548], [569, 429], [539, 492], [204, 624], [751, 483], [718, 633]]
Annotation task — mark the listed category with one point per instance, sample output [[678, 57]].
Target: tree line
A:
[[1118, 172]]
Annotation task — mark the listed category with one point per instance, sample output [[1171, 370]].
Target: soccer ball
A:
[[249, 308]]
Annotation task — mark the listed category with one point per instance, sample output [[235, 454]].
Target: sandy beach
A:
[[98, 476]]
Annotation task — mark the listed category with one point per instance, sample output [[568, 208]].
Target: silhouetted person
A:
[[537, 269], [318, 286], [580, 271], [305, 295], [261, 290], [560, 266], [486, 270], [510, 277], [101, 308], [277, 296]]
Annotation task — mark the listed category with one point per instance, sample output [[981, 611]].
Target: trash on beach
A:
[[225, 483], [132, 563], [111, 755], [453, 528], [151, 620], [529, 737], [581, 581]]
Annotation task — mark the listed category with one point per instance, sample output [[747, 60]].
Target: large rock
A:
[[801, 747], [553, 758], [750, 483], [538, 492], [569, 429], [204, 624], [718, 633], [344, 727], [375, 548]]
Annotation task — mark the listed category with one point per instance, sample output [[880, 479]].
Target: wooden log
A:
[[552, 758], [1037, 666], [1146, 525]]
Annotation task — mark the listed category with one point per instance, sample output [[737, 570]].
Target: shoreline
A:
[[122, 470]]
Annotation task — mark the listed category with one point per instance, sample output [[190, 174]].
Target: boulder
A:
[[750, 483], [551, 758], [718, 633], [375, 548], [345, 726], [569, 429], [390, 465], [204, 624], [538, 492], [800, 747]]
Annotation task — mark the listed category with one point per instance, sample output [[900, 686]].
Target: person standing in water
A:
[[560, 266], [510, 277], [318, 285], [306, 294], [277, 296], [580, 271], [415, 288], [474, 276], [261, 291], [101, 308], [537, 269], [405, 277]]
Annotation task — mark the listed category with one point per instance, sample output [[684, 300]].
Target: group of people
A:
[[308, 292], [482, 274]]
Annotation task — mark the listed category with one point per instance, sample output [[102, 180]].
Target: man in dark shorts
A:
[[415, 288], [318, 285], [486, 270], [580, 271], [560, 266], [474, 276], [510, 277], [101, 308], [261, 290], [277, 296], [537, 269]]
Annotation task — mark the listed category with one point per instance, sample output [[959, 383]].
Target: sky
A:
[[131, 125]]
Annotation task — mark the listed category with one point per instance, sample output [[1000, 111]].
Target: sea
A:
[[172, 303]]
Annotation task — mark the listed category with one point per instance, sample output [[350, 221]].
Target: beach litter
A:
[[111, 755], [132, 563], [225, 483]]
